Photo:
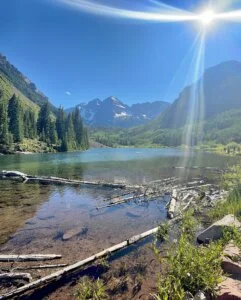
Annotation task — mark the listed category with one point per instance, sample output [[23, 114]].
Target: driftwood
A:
[[77, 266], [14, 276], [29, 257], [39, 267], [172, 205], [57, 180]]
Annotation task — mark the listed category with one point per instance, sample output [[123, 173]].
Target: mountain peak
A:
[[111, 112]]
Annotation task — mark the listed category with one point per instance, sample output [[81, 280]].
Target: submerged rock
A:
[[215, 231], [74, 232]]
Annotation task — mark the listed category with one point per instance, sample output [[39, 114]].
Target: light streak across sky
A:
[[158, 12]]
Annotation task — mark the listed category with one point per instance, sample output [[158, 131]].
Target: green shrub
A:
[[89, 289], [188, 224], [190, 268], [163, 232], [231, 206]]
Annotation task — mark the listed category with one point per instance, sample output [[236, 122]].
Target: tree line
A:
[[60, 132]]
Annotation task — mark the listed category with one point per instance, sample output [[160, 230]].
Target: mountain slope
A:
[[111, 112], [222, 92], [219, 123], [21, 84]]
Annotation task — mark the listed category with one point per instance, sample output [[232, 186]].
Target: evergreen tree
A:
[[85, 139], [52, 133], [15, 114], [4, 135], [60, 124], [70, 133], [78, 127], [29, 124], [64, 144], [44, 123]]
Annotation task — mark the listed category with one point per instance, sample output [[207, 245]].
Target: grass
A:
[[231, 206], [90, 289], [162, 234]]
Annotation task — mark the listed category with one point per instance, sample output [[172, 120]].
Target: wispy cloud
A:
[[68, 93]]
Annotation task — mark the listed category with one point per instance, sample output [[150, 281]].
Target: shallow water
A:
[[34, 218]]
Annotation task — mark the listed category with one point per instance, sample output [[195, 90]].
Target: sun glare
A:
[[207, 17]]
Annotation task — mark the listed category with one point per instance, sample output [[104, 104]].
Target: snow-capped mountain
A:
[[111, 112]]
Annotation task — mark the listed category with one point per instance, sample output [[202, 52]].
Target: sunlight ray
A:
[[178, 73], [229, 16], [167, 16]]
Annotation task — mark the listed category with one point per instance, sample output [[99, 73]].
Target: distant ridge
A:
[[112, 112]]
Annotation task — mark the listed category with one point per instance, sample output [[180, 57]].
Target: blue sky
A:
[[74, 56]]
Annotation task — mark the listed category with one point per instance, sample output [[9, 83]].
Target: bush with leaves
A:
[[90, 289]]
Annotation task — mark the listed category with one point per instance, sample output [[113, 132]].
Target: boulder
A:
[[215, 231], [229, 289], [231, 251], [231, 267]]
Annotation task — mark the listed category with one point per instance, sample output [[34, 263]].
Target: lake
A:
[[34, 218]]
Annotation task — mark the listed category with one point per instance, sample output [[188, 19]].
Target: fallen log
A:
[[29, 257], [14, 276], [172, 205], [13, 175], [39, 267], [75, 267]]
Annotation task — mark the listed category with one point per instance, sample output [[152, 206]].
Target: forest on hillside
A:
[[19, 126]]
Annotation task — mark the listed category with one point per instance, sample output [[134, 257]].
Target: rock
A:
[[229, 289], [215, 231], [74, 232], [200, 296], [231, 251], [231, 267]]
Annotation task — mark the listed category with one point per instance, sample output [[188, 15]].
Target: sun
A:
[[207, 17]]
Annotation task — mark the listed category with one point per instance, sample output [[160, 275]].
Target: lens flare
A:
[[207, 17]]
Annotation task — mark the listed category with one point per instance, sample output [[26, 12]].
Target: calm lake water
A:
[[34, 218]]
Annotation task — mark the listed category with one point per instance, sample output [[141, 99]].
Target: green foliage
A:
[[163, 232], [232, 234], [190, 268], [15, 114], [188, 224], [4, 134], [90, 289], [169, 288], [43, 123], [231, 206]]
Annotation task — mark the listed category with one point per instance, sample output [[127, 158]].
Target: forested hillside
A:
[[213, 118], [28, 122]]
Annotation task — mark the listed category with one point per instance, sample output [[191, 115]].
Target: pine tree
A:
[[15, 114], [4, 135], [29, 124], [52, 133], [78, 127], [70, 133], [44, 123], [60, 124]]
